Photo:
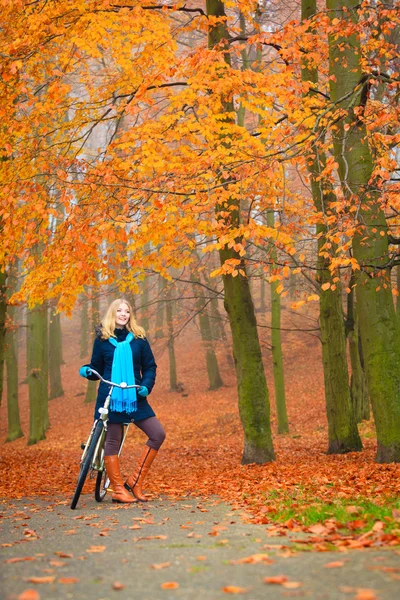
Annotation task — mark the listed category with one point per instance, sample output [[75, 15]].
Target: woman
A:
[[121, 352]]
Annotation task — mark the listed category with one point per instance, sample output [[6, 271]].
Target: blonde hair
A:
[[108, 323]]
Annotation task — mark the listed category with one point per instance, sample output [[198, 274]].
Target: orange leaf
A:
[[96, 549], [67, 580], [277, 579], [334, 564], [234, 589], [161, 565], [169, 585], [365, 594], [292, 584], [29, 594], [118, 586], [47, 579], [19, 559]]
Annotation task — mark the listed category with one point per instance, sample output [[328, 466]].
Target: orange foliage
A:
[[118, 149]]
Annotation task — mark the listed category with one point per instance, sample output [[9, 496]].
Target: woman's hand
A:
[[143, 391]]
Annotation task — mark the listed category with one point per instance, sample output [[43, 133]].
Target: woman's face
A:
[[122, 315]]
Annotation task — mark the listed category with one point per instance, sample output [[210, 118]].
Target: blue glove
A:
[[85, 371], [143, 391]]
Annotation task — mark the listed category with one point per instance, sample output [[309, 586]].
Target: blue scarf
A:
[[123, 400]]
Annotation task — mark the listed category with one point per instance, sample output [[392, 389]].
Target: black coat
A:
[[145, 374]]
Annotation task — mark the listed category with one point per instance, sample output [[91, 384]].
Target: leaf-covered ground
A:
[[342, 501]]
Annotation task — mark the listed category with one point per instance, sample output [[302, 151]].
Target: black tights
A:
[[151, 427]]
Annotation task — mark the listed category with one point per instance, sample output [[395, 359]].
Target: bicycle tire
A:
[[100, 490], [87, 461]]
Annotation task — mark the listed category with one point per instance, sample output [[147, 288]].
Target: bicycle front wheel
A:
[[86, 463], [102, 483]]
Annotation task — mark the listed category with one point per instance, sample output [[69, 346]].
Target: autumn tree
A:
[[359, 174]]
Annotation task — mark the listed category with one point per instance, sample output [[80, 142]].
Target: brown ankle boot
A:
[[135, 481], [113, 471]]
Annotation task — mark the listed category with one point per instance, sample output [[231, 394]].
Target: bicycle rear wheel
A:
[[86, 463]]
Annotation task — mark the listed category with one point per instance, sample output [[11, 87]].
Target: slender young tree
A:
[[3, 311], [84, 330], [94, 322], [55, 355], [169, 310], [214, 376], [277, 357], [11, 359], [160, 308]]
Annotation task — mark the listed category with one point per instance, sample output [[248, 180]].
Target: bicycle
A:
[[92, 458]]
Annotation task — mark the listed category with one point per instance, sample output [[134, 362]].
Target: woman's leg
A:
[[113, 439], [156, 434], [154, 431], [111, 461]]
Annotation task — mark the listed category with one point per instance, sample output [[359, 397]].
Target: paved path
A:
[[108, 551]]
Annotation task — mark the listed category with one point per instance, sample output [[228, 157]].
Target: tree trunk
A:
[[91, 390], [253, 397], [343, 435], [358, 381], [85, 334], [398, 296], [214, 377], [263, 305], [11, 358], [377, 320], [3, 310], [160, 308], [277, 358], [55, 355], [169, 309], [36, 326]]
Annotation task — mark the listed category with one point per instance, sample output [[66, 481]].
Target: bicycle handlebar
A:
[[122, 385]]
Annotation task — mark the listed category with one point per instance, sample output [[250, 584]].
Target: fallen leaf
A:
[[29, 594], [161, 565], [68, 580], [292, 585], [253, 559], [234, 589], [118, 586], [96, 549], [277, 579], [47, 579], [334, 564], [318, 529], [63, 554], [365, 594], [169, 585], [19, 559], [353, 510]]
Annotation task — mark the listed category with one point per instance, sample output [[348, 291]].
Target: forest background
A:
[[232, 169]]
